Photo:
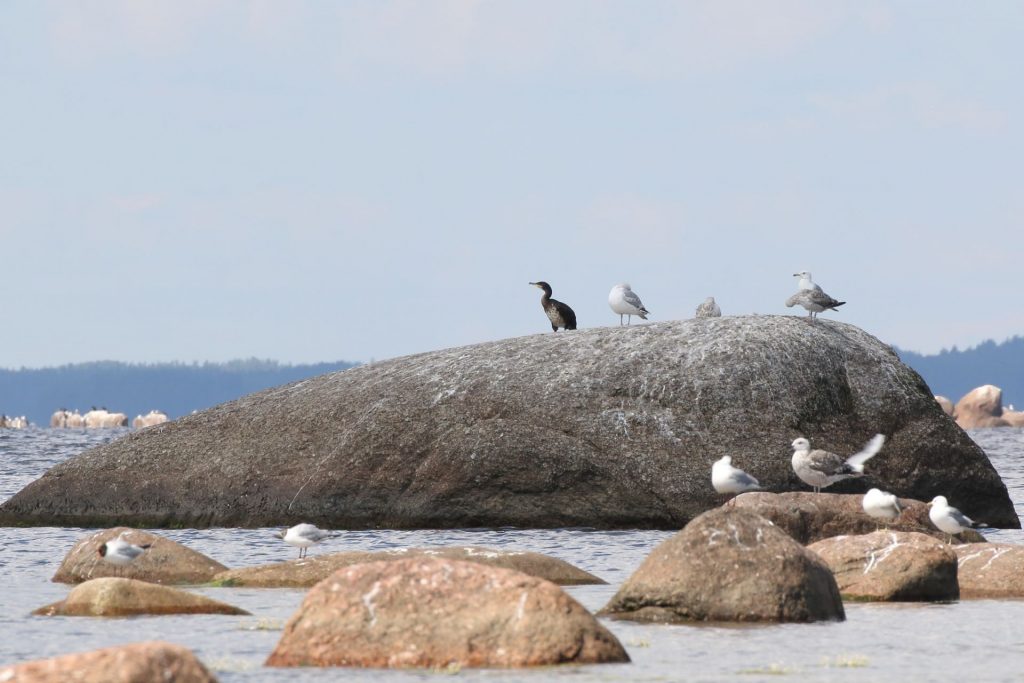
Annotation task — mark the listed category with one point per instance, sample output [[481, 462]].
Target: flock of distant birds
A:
[[625, 302], [820, 469]]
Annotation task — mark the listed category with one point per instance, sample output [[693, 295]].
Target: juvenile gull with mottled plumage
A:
[[820, 468], [811, 297], [709, 309]]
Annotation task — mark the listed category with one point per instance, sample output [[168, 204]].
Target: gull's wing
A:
[[960, 518], [743, 479], [857, 460], [821, 298], [825, 462], [630, 297]]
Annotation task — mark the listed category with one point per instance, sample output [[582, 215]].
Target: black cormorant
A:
[[558, 313]]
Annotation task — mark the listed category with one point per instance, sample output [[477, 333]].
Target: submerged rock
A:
[[810, 517], [729, 565], [895, 566], [110, 597], [316, 568], [165, 561], [135, 663], [428, 612], [610, 428], [990, 570]]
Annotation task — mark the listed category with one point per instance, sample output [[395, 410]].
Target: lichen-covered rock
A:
[[981, 408], [136, 663], [111, 597], [729, 565], [165, 561], [810, 517], [990, 570], [894, 566], [429, 612], [610, 428], [311, 570]]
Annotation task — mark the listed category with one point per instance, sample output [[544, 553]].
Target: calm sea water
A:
[[967, 641]]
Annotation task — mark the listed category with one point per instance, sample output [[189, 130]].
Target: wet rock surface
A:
[[165, 561], [429, 612], [316, 568], [895, 566], [729, 565], [609, 428]]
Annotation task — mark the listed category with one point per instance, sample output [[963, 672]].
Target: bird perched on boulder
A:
[[625, 302], [811, 297], [728, 479], [820, 468], [881, 505], [120, 552], [948, 519], [558, 313], [303, 536], [709, 309]]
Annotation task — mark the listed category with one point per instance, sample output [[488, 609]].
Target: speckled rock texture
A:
[[429, 612], [111, 597], [729, 565], [165, 561], [316, 568], [810, 517], [613, 427], [990, 570], [891, 566], [136, 663]]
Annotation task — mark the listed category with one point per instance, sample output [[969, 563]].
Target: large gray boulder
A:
[[609, 427]]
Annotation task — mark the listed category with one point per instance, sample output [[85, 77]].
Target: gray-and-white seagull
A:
[[625, 302], [881, 505], [728, 479], [120, 552], [709, 309], [820, 468], [303, 536], [811, 297], [948, 519]]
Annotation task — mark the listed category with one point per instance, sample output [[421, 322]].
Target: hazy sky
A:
[[311, 181]]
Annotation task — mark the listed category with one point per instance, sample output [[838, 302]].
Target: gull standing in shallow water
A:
[[709, 309], [820, 468], [881, 505], [728, 479], [625, 302], [811, 297], [948, 519], [302, 536], [120, 552]]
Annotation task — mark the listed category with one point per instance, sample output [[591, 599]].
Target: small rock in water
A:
[[112, 597], [729, 565], [136, 663], [427, 612]]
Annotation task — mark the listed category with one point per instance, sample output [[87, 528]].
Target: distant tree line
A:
[[952, 373], [131, 388]]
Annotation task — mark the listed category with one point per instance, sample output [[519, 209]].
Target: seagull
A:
[[728, 479], [302, 536], [709, 309], [881, 505], [811, 297], [947, 518], [120, 552], [558, 313], [625, 302], [821, 468]]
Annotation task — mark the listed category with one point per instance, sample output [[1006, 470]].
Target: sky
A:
[[314, 181]]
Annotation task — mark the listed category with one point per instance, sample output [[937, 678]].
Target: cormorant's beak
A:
[[796, 274]]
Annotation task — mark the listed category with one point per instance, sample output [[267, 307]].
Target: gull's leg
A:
[[620, 320]]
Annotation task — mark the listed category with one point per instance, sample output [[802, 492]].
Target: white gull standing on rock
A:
[[881, 505], [811, 297], [302, 536], [820, 468], [709, 309], [728, 479], [624, 301], [947, 518]]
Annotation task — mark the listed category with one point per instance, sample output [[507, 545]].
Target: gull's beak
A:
[[279, 534], [928, 504]]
